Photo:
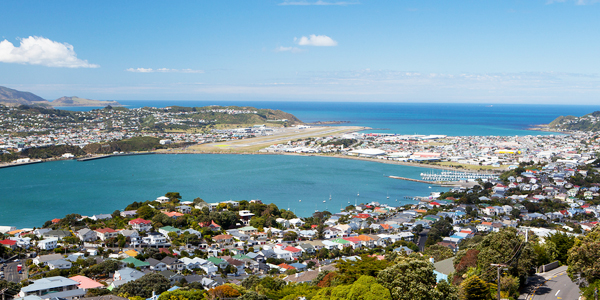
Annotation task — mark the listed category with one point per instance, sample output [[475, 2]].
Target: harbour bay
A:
[[36, 193]]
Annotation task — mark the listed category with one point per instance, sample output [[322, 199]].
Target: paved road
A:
[[11, 274], [552, 285]]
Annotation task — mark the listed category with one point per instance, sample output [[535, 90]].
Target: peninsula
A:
[[11, 97]]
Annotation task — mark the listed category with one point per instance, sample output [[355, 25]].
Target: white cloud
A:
[[162, 70], [288, 49], [316, 40], [36, 50], [342, 3]]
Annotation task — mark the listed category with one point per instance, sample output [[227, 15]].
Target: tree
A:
[[194, 294], [412, 278], [144, 286], [473, 288], [222, 291], [584, 257], [145, 212], [438, 252], [252, 295], [348, 271], [365, 288], [173, 197], [508, 248], [563, 242]]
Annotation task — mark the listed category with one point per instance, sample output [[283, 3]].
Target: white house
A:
[[86, 235], [48, 244]]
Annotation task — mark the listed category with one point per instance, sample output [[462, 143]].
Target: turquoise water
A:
[[30, 195], [411, 118], [36, 193]]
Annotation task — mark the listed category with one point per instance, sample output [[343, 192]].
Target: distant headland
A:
[[10, 97]]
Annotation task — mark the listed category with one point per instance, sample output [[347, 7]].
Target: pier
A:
[[415, 180], [456, 176], [9, 165], [111, 155]]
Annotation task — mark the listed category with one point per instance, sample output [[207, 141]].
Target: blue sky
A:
[[524, 51]]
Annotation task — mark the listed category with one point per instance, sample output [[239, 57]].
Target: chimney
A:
[[319, 268], [296, 275]]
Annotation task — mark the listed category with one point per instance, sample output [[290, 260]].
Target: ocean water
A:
[[411, 118], [36, 193], [30, 195]]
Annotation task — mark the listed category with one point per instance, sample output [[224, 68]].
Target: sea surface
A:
[[33, 194], [409, 118]]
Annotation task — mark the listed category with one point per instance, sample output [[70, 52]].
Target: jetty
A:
[[457, 176], [112, 155], [9, 165], [438, 183]]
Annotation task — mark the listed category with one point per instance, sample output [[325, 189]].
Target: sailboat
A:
[[329, 197], [388, 195], [358, 194]]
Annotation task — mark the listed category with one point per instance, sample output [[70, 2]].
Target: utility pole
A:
[[499, 266]]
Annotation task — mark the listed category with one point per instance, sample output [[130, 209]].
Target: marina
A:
[[456, 176]]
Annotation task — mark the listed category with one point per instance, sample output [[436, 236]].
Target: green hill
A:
[[10, 97], [589, 122], [76, 101]]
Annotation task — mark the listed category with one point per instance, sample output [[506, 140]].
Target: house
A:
[[212, 225], [168, 229], [184, 209], [297, 223], [140, 224], [155, 239], [9, 244], [58, 234], [43, 259], [173, 277], [173, 263], [123, 276], [245, 216], [47, 244], [284, 223], [136, 262], [128, 213], [106, 233], [101, 217], [223, 239], [86, 283], [173, 214], [58, 286], [60, 264], [156, 265], [86, 235]]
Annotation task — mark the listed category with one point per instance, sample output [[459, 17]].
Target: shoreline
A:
[[384, 161]]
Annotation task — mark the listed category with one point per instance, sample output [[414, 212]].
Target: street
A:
[[11, 273], [555, 284]]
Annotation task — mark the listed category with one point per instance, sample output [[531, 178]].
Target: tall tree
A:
[[473, 288], [413, 279], [584, 258]]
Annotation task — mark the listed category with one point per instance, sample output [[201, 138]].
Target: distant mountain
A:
[[10, 97], [589, 122], [76, 101]]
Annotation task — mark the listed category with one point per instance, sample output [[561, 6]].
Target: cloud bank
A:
[[162, 70], [36, 50], [288, 49], [316, 40]]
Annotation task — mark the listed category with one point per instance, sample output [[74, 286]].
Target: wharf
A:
[[111, 155], [426, 181], [9, 165]]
